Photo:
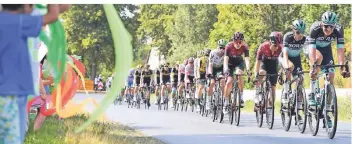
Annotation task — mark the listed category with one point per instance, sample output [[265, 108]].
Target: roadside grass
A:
[[344, 108], [55, 131]]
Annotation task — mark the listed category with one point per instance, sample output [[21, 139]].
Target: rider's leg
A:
[[210, 93], [228, 88], [313, 83], [240, 84], [199, 93], [256, 97]]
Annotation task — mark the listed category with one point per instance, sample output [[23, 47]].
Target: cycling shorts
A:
[[190, 78], [238, 65], [218, 71], [182, 77], [270, 66], [326, 52], [129, 82], [138, 81], [165, 79], [296, 61]]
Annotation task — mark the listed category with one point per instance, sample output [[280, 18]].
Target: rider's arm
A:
[[313, 34], [186, 72], [340, 44], [258, 60], [226, 58], [246, 58], [210, 67], [285, 51], [197, 72]]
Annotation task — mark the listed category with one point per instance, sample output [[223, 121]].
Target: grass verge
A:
[[56, 131], [344, 105]]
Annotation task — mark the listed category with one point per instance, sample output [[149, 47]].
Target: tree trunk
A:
[[94, 64]]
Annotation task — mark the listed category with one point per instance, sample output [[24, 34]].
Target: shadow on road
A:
[[249, 139]]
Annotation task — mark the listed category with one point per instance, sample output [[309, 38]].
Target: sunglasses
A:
[[238, 41], [299, 31], [329, 26]]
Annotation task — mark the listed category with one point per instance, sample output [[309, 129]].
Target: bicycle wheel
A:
[[215, 107], [220, 112], [237, 108], [301, 109], [286, 115], [159, 103], [313, 119], [166, 104], [331, 95], [192, 105], [232, 106], [269, 112], [260, 109]]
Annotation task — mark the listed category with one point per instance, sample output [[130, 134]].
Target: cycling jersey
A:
[[131, 73], [137, 77], [147, 76], [165, 75], [174, 74], [216, 57], [189, 70], [181, 71], [317, 39], [181, 68], [235, 56], [202, 65], [196, 66], [294, 49], [323, 44], [269, 60]]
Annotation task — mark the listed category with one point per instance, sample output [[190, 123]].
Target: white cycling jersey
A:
[[189, 70], [216, 57]]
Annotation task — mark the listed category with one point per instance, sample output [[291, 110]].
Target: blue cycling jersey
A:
[[292, 46]]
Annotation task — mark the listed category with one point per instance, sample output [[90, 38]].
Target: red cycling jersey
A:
[[231, 51], [264, 52]]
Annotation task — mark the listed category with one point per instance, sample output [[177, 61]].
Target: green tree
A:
[[189, 31], [88, 34]]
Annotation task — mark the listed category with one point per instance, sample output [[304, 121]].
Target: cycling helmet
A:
[[329, 18], [238, 36], [207, 52], [190, 60], [299, 25], [275, 38], [222, 43]]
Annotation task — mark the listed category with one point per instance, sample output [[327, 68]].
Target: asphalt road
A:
[[175, 127]]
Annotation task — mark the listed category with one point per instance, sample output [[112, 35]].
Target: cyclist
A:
[[322, 34], [233, 62], [174, 80], [137, 80], [189, 74], [157, 81], [181, 76], [215, 68], [129, 84], [196, 66], [290, 58], [267, 63], [201, 74], [164, 79], [146, 76]]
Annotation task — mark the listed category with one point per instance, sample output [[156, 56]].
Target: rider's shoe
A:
[[224, 110], [311, 100], [207, 105]]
